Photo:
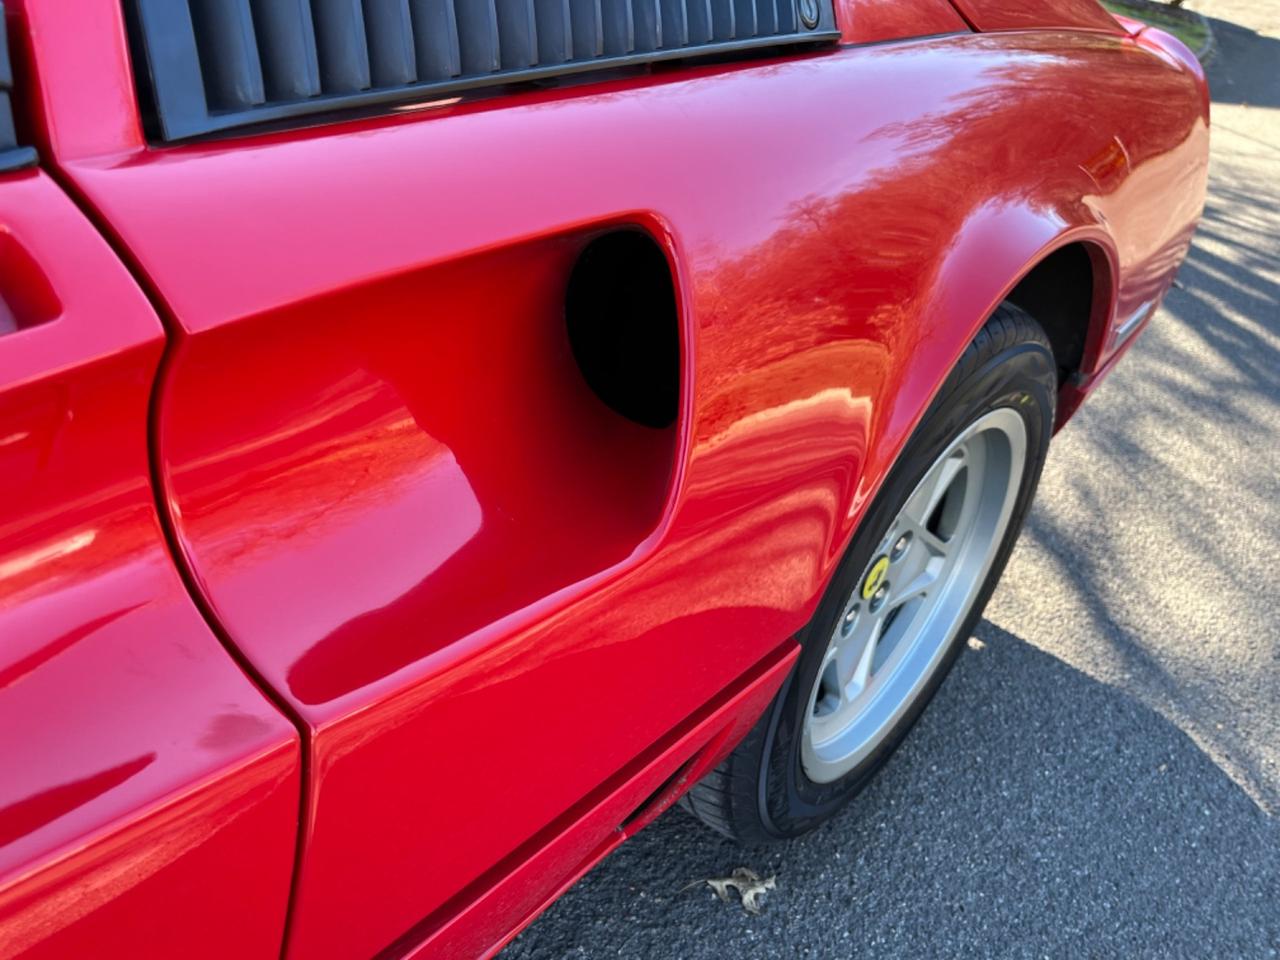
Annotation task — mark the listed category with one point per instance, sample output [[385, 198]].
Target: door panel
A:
[[148, 790], [466, 576]]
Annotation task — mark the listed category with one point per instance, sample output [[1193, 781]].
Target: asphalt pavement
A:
[[1100, 775]]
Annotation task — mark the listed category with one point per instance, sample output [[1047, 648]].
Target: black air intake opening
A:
[[624, 328]]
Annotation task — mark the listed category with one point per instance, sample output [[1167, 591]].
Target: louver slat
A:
[[343, 49], [392, 59], [435, 39], [176, 82], [588, 29], [675, 24], [211, 65], [619, 28], [555, 31], [786, 10], [722, 19], [477, 35], [699, 18], [228, 53], [766, 18], [646, 16], [287, 45], [517, 34], [13, 156]]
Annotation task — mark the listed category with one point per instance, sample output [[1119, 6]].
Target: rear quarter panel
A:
[[840, 224]]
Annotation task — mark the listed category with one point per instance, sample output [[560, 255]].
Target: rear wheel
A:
[[908, 592]]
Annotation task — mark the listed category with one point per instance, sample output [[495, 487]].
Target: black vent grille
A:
[[12, 156], [219, 64]]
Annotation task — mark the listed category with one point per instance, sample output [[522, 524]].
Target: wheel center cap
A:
[[875, 577]]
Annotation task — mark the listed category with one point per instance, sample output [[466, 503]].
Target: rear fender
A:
[[1011, 243], [998, 245]]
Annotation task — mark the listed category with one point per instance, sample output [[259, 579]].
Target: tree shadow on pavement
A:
[[1033, 811], [1169, 479]]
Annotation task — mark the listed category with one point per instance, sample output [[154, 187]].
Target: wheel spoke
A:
[[862, 672], [853, 668], [917, 586], [920, 508], [922, 535]]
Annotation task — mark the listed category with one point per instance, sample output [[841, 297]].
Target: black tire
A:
[[760, 792]]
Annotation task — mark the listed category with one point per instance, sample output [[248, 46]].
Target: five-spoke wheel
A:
[[907, 592], [929, 565]]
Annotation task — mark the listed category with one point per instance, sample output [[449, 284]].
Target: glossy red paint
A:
[[1037, 15], [1131, 26], [502, 904], [142, 771], [875, 21], [498, 611]]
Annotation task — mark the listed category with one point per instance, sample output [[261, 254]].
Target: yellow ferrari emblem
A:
[[875, 577]]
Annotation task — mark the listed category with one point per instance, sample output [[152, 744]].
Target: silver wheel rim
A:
[[895, 629]]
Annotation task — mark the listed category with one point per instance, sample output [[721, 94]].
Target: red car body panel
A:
[[482, 920], [988, 15], [874, 21], [500, 615], [142, 771]]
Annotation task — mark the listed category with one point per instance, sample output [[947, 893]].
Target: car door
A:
[[485, 587], [148, 790]]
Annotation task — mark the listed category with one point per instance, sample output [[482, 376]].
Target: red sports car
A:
[[437, 436]]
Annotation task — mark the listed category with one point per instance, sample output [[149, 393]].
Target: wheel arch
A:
[[1042, 264], [1069, 292], [1002, 252]]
